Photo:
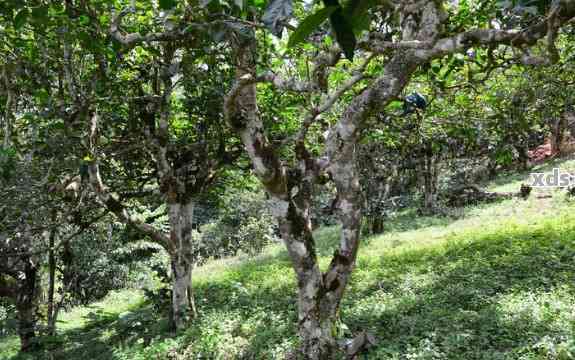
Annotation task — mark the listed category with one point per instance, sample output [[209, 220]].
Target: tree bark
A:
[[181, 256], [179, 243], [319, 294], [315, 316], [290, 193], [26, 307]]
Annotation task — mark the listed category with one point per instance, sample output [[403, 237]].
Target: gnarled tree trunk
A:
[[178, 244], [290, 191], [315, 322], [319, 294], [181, 257]]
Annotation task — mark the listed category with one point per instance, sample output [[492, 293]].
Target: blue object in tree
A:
[[412, 102]]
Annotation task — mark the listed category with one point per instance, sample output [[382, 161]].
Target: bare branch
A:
[[376, 43], [117, 208], [561, 14], [241, 112], [283, 84], [133, 39], [332, 99]]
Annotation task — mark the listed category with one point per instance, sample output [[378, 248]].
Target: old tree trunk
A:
[[181, 258], [178, 243], [20, 281], [25, 304], [290, 189]]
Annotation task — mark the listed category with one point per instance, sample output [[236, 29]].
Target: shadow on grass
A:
[[102, 333], [504, 295], [409, 220]]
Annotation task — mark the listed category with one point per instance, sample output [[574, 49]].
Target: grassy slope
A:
[[496, 283]]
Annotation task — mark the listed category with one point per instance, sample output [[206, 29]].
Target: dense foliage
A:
[[142, 141]]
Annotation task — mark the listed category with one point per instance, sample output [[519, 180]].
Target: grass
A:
[[497, 282]]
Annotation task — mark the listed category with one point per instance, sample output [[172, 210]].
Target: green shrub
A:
[[243, 225]]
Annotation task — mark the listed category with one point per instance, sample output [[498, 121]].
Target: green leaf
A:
[[309, 24], [20, 18], [167, 4], [40, 14], [356, 13], [83, 20], [343, 33]]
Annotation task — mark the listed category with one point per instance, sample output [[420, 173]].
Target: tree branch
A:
[[110, 202], [283, 84], [114, 206], [332, 99], [133, 39], [560, 14], [377, 45]]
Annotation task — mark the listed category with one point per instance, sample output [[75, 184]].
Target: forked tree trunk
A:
[[181, 256], [319, 294], [320, 297], [26, 307], [178, 244], [315, 324], [290, 194]]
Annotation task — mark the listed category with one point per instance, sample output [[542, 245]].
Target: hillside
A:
[[494, 282]]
